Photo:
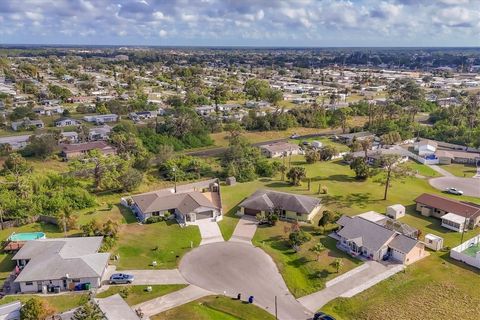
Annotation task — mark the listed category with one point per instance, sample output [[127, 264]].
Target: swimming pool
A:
[[26, 236]]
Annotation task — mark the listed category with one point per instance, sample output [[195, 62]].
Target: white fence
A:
[[457, 252]]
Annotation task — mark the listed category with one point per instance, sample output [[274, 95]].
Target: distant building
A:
[[101, 118], [70, 151], [278, 149], [348, 138], [26, 124], [66, 122], [15, 142], [99, 133]]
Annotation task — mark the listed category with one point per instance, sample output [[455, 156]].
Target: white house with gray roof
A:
[[61, 262], [364, 238]]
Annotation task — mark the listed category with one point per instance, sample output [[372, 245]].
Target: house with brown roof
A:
[[369, 240], [455, 215], [76, 150], [289, 206], [187, 203]]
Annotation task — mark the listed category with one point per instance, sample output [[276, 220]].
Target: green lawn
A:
[[301, 271], [139, 294], [60, 303], [140, 245], [460, 170], [433, 288], [422, 169], [215, 308]]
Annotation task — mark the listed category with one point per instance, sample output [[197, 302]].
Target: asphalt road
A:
[[218, 151], [469, 186], [233, 267]]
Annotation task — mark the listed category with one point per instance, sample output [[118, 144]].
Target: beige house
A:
[[278, 149], [288, 205]]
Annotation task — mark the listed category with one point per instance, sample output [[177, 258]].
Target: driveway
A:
[[350, 283], [209, 231], [245, 230], [469, 186], [144, 277], [171, 300], [234, 267]]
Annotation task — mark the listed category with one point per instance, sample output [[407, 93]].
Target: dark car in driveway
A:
[[322, 316], [121, 278]]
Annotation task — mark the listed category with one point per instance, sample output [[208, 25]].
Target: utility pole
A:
[[276, 315], [175, 179], [463, 229]]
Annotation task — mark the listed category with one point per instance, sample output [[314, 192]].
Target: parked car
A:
[[294, 136], [322, 316], [454, 191], [119, 278]]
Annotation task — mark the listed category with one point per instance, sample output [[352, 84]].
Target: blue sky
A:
[[242, 22]]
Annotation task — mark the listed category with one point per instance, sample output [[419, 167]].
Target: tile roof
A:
[[267, 200]]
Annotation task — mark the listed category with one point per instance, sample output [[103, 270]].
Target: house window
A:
[[76, 280], [29, 283], [299, 214]]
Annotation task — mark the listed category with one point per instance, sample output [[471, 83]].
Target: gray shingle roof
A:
[[403, 243], [115, 308], [52, 259], [371, 235], [184, 202], [267, 200]]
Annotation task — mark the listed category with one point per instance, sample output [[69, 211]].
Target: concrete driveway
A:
[[350, 283], [234, 267], [245, 230], [209, 231], [469, 186], [144, 277]]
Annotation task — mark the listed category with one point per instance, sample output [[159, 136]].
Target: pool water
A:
[[472, 251], [26, 236]]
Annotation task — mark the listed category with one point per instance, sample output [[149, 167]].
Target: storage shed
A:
[[433, 242], [396, 211]]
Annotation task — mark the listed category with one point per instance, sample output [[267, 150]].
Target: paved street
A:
[[171, 300], [469, 186], [209, 231], [245, 230], [234, 267], [351, 283]]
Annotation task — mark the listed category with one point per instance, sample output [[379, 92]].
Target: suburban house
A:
[[289, 206], [455, 215], [364, 238], [278, 149], [455, 156], [205, 110], [142, 115], [389, 223], [374, 155], [99, 133], [425, 147], [48, 110], [348, 138], [187, 203], [65, 122], [60, 264], [75, 150], [101, 118], [26, 124], [69, 137], [15, 142]]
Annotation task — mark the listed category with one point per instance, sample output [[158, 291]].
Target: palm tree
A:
[[318, 249], [338, 264]]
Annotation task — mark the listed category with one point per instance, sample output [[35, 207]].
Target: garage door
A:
[[397, 255], [251, 212], [204, 215]]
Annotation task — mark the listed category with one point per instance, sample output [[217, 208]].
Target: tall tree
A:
[[296, 174], [391, 170], [89, 311]]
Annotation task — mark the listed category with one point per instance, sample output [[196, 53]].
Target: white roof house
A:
[[453, 222]]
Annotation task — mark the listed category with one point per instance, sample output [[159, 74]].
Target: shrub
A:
[[154, 219]]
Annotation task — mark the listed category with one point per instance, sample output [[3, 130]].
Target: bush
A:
[[154, 219]]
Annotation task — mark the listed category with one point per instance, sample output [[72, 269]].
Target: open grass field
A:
[[433, 288], [301, 270], [139, 294], [59, 303], [139, 245], [215, 308], [460, 170], [422, 170]]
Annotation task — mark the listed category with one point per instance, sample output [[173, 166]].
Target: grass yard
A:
[[301, 271], [215, 308], [433, 288], [139, 294], [460, 170], [140, 245], [422, 169], [60, 303]]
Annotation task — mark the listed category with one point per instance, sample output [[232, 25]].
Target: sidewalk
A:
[[172, 300]]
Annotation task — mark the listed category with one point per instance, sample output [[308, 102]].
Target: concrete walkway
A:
[[209, 231], [245, 230], [172, 300], [440, 170], [351, 283]]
